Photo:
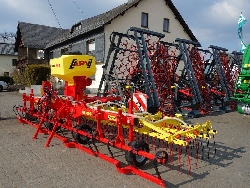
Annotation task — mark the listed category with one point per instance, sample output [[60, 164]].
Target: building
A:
[[91, 36], [7, 59], [31, 41]]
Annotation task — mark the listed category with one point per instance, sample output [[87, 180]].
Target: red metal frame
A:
[[63, 112], [63, 107]]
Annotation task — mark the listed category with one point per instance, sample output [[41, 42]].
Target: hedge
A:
[[35, 74]]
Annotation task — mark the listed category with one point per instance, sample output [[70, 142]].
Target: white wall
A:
[[98, 76], [157, 10], [6, 63]]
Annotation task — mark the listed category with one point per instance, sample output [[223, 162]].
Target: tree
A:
[[34, 74], [7, 36]]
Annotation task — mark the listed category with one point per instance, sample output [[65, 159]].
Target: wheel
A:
[[1, 88], [80, 138], [50, 126], [30, 117], [134, 159]]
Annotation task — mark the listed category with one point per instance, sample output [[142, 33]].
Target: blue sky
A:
[[214, 22]]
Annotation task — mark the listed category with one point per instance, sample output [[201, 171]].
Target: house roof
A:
[[6, 49], [105, 18], [36, 36]]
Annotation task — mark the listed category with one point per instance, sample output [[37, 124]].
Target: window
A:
[[40, 54], [90, 47], [14, 62], [6, 74], [166, 25], [51, 55], [76, 27], [144, 19], [64, 51]]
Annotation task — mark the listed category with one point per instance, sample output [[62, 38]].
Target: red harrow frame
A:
[[142, 136]]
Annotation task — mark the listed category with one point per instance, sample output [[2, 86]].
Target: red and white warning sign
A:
[[140, 101]]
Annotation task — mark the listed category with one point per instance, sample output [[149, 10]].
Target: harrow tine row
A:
[[151, 137]]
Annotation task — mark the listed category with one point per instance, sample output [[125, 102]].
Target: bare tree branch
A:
[[7, 36]]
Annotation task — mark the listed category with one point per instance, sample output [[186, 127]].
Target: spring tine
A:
[[155, 163], [111, 129], [197, 152], [164, 145], [158, 143], [189, 161], [190, 144], [214, 146], [179, 159], [202, 150], [161, 145], [124, 132], [137, 136], [146, 139], [153, 142], [108, 130], [105, 129], [110, 151], [170, 155]]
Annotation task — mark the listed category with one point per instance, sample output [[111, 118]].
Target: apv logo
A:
[[76, 63]]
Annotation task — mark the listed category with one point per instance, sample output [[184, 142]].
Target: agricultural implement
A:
[[111, 120], [141, 60], [242, 85]]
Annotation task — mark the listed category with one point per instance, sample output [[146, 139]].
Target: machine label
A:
[[56, 65], [76, 63], [112, 118], [87, 113]]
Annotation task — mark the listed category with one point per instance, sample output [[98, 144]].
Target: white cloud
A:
[[40, 12], [203, 34], [211, 36], [226, 12], [35, 11]]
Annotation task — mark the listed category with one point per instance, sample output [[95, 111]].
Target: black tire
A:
[[30, 117], [1, 88], [80, 138], [50, 126], [134, 159]]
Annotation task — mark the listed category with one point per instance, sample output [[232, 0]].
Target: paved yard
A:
[[26, 163]]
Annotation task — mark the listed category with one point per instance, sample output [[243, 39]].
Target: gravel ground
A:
[[26, 163]]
